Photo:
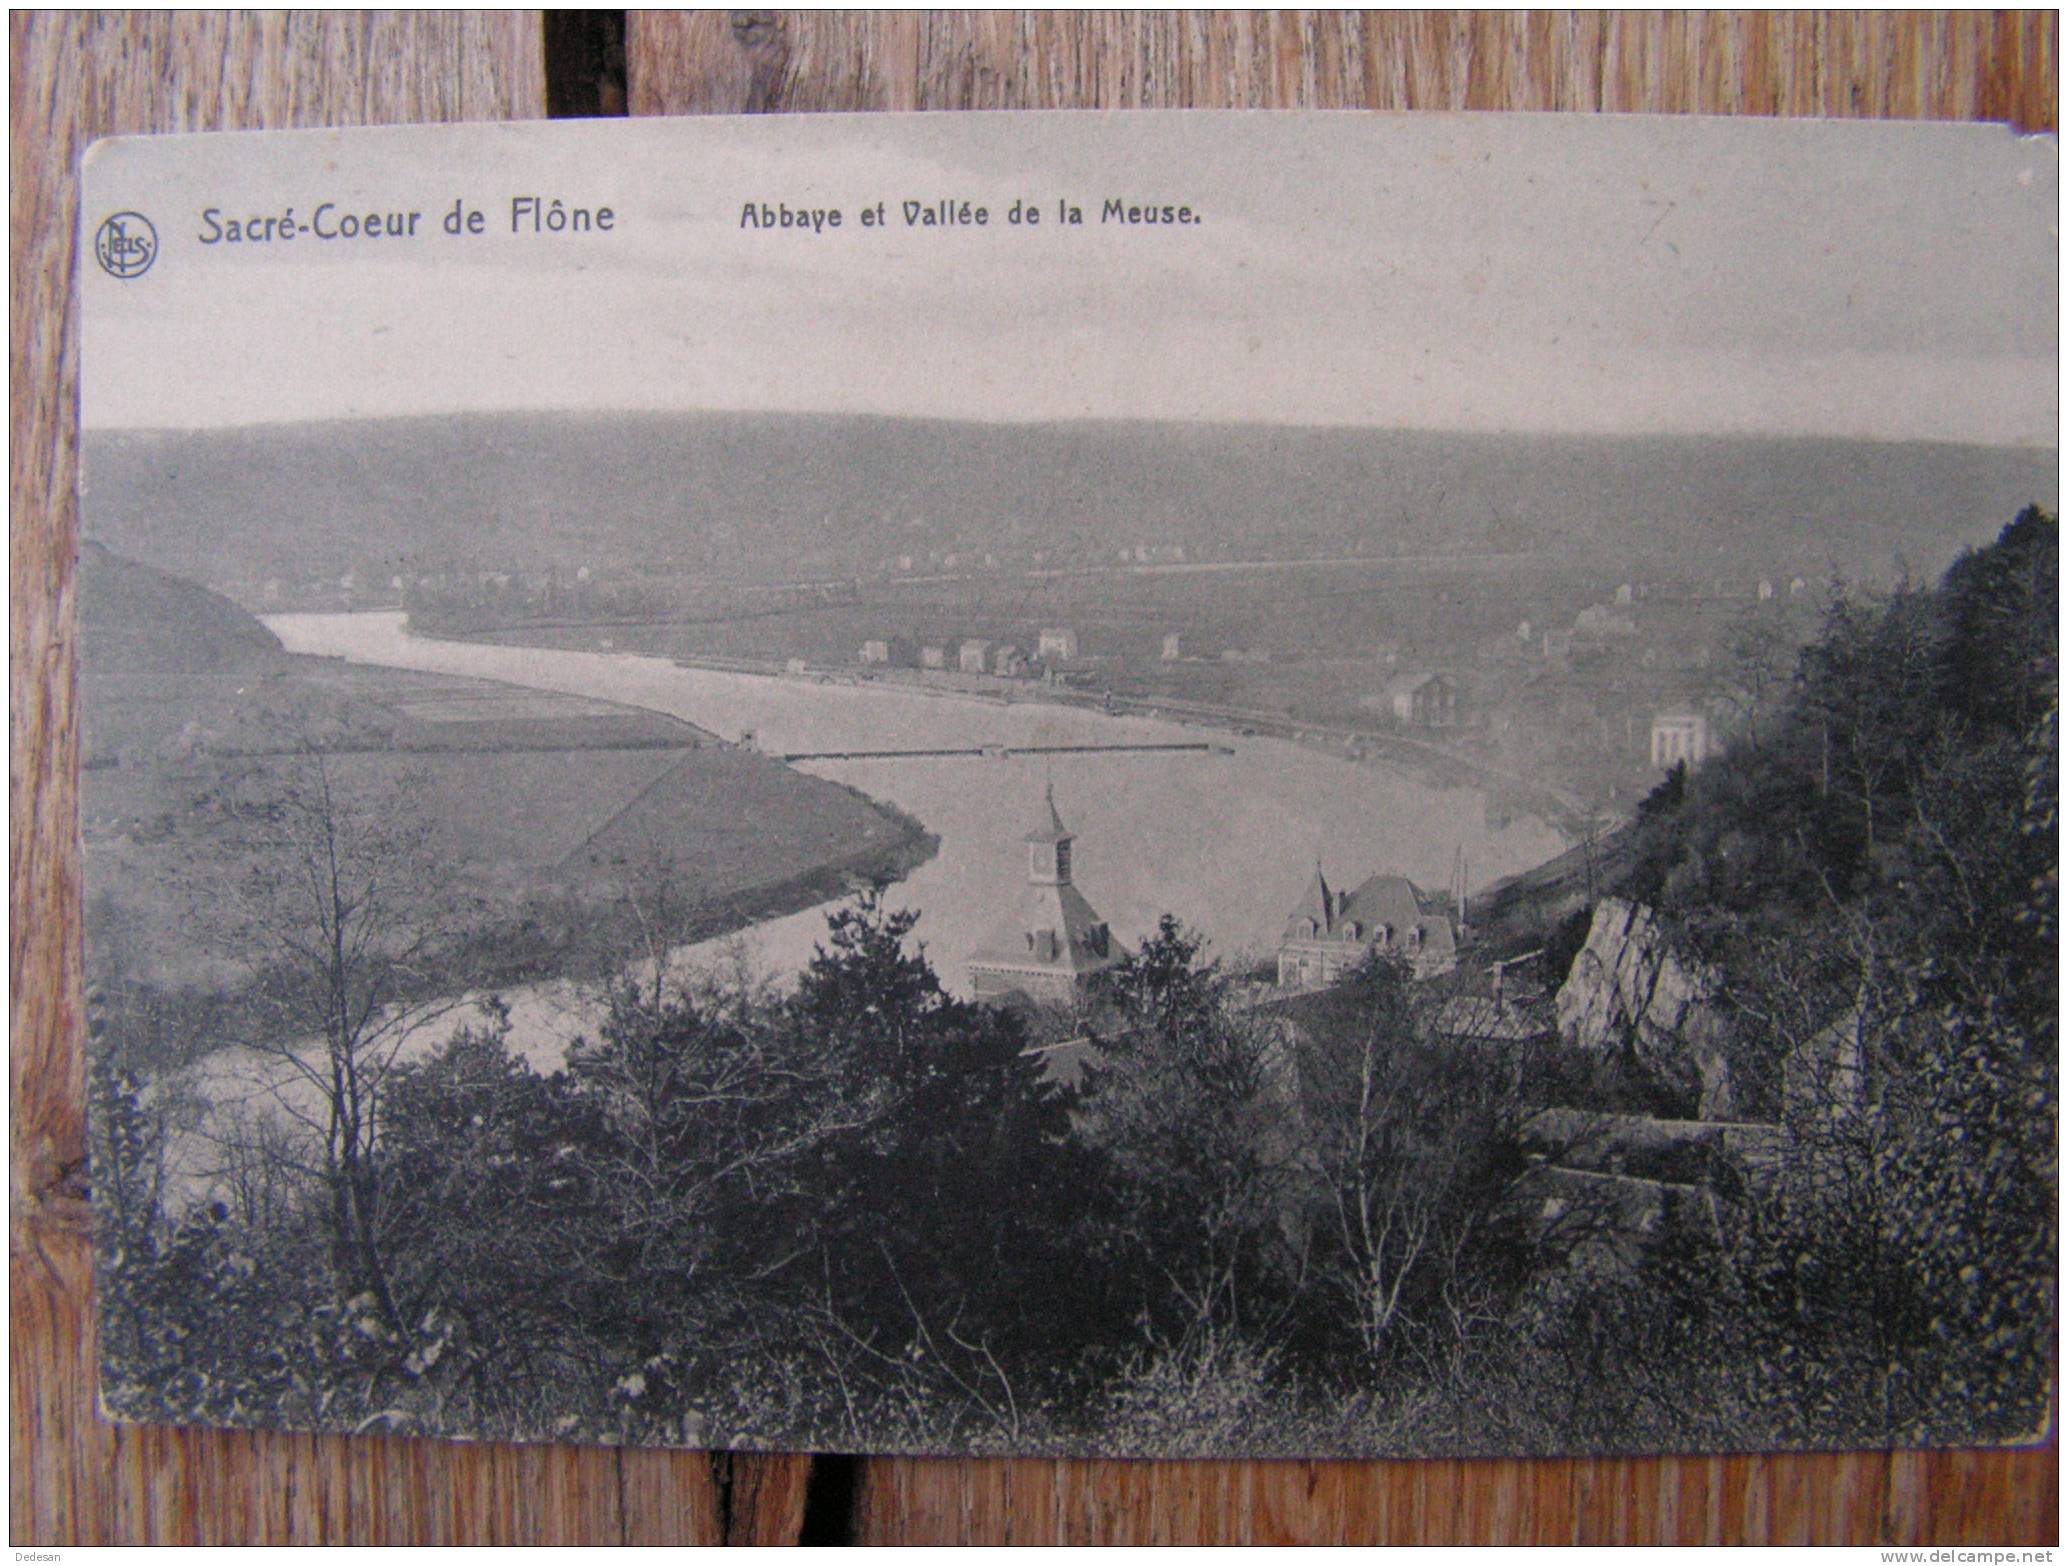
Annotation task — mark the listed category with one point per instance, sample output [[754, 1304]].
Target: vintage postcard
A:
[[1158, 784]]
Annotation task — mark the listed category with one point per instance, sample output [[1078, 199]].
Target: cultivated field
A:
[[534, 820]]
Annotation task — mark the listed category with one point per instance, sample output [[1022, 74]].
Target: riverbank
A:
[[519, 833], [549, 941], [1222, 836], [1425, 759], [584, 937]]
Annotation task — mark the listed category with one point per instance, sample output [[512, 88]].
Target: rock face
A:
[[1629, 992]]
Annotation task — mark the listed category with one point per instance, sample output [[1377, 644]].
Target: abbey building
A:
[[1330, 931]]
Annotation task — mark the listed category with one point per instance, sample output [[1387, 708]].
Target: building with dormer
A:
[[1052, 945], [1330, 931]]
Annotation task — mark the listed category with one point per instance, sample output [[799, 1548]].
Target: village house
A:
[[895, 651], [1010, 662], [1423, 701], [1330, 932], [974, 655], [1058, 642], [933, 657], [1173, 647], [1052, 945]]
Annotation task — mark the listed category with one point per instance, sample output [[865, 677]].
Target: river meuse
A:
[[1226, 842]]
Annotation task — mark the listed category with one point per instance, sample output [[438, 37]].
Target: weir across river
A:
[[1002, 752], [1223, 841]]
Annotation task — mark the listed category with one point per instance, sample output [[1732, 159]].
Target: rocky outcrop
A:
[[1629, 992]]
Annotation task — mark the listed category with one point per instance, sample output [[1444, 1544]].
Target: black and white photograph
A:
[[1145, 785]]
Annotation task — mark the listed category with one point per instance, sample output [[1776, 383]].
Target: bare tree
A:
[[1409, 1134], [350, 933]]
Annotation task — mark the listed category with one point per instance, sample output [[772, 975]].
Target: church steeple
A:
[[1048, 846], [1051, 943], [1319, 903]]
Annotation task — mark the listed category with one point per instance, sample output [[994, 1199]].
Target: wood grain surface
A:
[[74, 1478]]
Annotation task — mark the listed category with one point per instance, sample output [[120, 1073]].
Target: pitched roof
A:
[[1082, 944], [1391, 900], [1384, 901], [1408, 684], [1050, 828]]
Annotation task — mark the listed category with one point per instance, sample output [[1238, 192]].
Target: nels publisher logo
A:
[[126, 245]]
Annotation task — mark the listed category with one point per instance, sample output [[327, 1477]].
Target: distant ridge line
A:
[[1089, 422], [790, 496]]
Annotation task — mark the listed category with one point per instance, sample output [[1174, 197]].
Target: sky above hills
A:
[[1565, 274]]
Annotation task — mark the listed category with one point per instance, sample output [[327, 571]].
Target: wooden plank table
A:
[[74, 1478]]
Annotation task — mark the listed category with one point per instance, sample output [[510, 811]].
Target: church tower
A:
[[1048, 848], [1052, 944]]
